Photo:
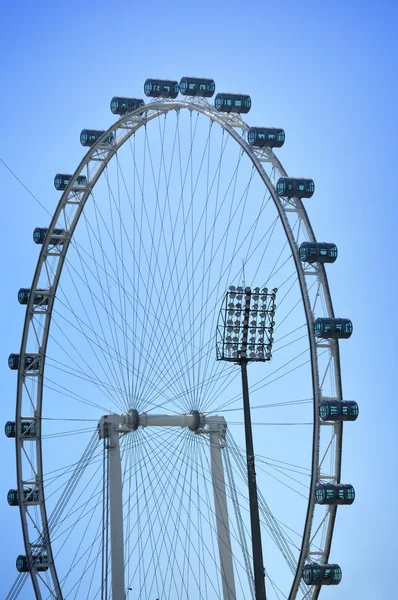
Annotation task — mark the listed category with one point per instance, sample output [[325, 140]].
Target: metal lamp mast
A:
[[244, 334]]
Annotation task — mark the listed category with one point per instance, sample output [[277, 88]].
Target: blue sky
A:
[[327, 74]]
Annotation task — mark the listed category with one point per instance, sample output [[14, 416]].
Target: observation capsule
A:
[[31, 496], [88, 137], [61, 181], [236, 103], [161, 88], [333, 328], [28, 429], [38, 562], [193, 86], [321, 574], [24, 293], [268, 137], [321, 252], [331, 494], [121, 106], [295, 187], [333, 410], [32, 362], [39, 235]]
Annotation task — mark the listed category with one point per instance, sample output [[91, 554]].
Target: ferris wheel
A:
[[180, 411]]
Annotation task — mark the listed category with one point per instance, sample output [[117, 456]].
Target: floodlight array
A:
[[246, 325]]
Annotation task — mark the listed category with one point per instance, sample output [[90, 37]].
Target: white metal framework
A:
[[112, 427], [324, 356]]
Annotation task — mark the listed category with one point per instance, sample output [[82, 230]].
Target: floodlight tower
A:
[[244, 334]]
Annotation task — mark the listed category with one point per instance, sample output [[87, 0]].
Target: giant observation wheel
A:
[[178, 211]]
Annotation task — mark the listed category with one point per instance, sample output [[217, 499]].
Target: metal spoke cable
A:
[[272, 524]]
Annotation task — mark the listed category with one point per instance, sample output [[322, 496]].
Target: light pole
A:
[[244, 334]]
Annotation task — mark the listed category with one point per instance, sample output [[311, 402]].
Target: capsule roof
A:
[[295, 187], [61, 181], [121, 106], [196, 86], [266, 137], [322, 252], [335, 410], [336, 328], [235, 103], [88, 137], [39, 235], [161, 88]]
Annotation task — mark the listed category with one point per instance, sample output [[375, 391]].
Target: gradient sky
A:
[[326, 73]]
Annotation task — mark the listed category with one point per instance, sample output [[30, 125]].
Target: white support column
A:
[[116, 515], [216, 434], [111, 427]]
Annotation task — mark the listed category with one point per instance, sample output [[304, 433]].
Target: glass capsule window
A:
[[23, 295], [22, 564], [13, 361], [333, 251], [37, 235], [310, 186], [348, 327], [336, 573], [238, 102], [323, 411], [9, 429], [60, 181], [31, 363], [12, 498], [281, 136], [28, 429], [350, 493], [247, 102], [354, 410]]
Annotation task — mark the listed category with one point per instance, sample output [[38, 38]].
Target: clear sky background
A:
[[326, 73]]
